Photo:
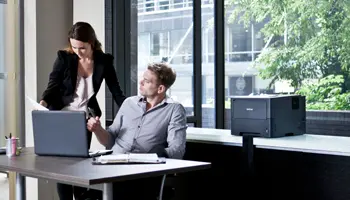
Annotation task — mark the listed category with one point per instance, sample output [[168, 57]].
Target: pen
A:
[[6, 137], [10, 135], [92, 113]]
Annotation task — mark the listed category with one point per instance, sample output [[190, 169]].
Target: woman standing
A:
[[76, 78]]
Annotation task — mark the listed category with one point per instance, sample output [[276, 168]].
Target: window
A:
[[239, 43], [208, 43], [179, 3], [143, 48], [242, 46], [181, 46], [160, 44], [149, 5], [168, 36], [169, 39], [163, 4], [208, 83]]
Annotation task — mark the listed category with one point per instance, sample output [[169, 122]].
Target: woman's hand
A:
[[94, 124], [43, 103]]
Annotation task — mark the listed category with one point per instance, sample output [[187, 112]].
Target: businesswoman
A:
[[76, 78]]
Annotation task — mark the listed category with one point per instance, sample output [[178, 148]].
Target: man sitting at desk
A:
[[150, 123]]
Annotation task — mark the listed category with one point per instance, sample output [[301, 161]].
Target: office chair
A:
[[167, 191], [162, 188]]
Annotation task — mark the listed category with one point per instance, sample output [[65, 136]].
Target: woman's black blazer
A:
[[63, 79]]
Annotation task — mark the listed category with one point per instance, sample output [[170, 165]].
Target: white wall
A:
[[30, 80], [46, 25], [93, 12]]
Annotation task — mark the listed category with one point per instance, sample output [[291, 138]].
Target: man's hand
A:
[[94, 124], [43, 103]]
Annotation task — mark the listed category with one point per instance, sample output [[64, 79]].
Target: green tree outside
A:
[[313, 43]]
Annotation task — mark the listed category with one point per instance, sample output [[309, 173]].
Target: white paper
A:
[[117, 158], [143, 157], [132, 157], [36, 105]]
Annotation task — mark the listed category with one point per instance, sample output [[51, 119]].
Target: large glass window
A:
[[144, 48], [273, 52], [304, 52], [164, 5], [181, 46], [238, 43], [160, 45], [243, 43], [208, 85], [167, 36]]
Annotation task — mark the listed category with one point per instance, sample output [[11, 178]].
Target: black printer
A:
[[268, 116]]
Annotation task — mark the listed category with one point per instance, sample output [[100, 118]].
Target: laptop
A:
[[61, 133]]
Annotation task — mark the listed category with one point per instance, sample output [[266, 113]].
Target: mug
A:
[[11, 146]]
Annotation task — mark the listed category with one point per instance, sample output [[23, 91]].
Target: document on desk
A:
[[130, 158], [35, 104]]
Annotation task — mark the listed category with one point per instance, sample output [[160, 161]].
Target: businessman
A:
[[150, 123]]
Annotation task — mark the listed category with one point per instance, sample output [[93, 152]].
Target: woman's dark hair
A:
[[84, 32]]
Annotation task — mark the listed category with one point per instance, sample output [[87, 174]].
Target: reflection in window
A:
[[239, 43], [180, 91], [258, 40], [240, 38], [149, 6], [181, 46], [240, 85], [209, 45], [167, 37], [160, 45], [163, 4], [143, 48], [179, 3]]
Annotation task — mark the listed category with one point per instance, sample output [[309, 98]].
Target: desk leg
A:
[[248, 152], [249, 181], [108, 191], [20, 187]]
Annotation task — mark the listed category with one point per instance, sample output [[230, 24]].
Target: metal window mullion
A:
[[197, 61], [219, 72]]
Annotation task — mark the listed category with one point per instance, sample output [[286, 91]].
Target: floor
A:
[[4, 187]]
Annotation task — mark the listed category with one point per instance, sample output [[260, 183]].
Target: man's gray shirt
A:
[[136, 130]]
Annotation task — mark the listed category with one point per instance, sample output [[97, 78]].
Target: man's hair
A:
[[166, 75]]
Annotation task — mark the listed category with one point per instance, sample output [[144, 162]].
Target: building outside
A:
[[165, 34]]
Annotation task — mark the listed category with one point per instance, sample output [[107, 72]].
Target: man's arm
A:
[[106, 137], [177, 133], [102, 135]]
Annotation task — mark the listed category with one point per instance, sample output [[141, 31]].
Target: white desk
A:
[[332, 145]]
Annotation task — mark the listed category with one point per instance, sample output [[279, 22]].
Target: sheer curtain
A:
[[9, 69]]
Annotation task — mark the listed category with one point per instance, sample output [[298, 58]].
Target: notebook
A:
[[150, 158]]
